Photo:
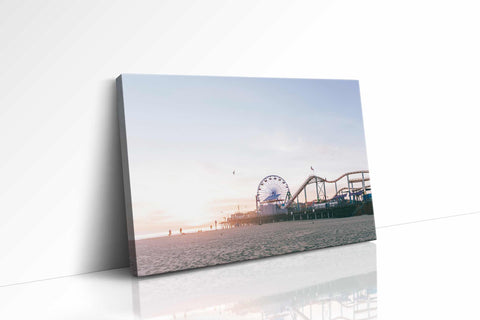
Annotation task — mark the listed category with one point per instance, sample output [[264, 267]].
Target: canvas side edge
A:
[[126, 176]]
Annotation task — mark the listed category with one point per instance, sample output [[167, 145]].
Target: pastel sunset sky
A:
[[187, 134]]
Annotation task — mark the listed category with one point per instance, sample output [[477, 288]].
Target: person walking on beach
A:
[[215, 224], [169, 232], [180, 230]]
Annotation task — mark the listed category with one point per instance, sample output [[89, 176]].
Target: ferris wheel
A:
[[272, 189]]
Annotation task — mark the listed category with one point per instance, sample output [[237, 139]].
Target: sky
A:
[[187, 134]]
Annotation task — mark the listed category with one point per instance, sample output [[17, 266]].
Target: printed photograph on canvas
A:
[[226, 169]]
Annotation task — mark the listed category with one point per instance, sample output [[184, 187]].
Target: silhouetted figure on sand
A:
[[211, 227], [180, 230], [169, 232], [215, 224]]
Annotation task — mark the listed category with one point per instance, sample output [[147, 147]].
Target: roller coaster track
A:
[[342, 176], [340, 191], [315, 179]]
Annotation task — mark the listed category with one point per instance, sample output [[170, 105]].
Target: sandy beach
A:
[[202, 249]]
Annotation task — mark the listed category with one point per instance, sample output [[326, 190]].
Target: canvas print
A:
[[226, 169]]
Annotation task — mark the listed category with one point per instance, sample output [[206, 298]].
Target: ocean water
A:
[[180, 252]]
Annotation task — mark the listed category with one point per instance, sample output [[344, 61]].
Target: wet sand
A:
[[246, 243]]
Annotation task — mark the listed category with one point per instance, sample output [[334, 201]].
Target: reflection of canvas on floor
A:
[[221, 169], [324, 284]]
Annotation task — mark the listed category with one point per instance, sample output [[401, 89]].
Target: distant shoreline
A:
[[190, 233]]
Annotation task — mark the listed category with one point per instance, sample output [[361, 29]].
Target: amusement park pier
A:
[[346, 196]]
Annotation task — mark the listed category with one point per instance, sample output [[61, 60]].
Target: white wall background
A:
[[61, 201]]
